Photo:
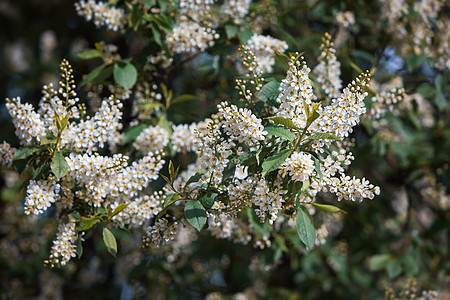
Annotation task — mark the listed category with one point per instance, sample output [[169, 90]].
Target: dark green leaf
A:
[[92, 75], [269, 93], [132, 133], [110, 241], [148, 3], [413, 61], [280, 132], [195, 214], [156, 35], [125, 74], [87, 223], [89, 53], [208, 199], [322, 136], [59, 165], [273, 162], [194, 178], [393, 269], [24, 152], [305, 228], [79, 246]]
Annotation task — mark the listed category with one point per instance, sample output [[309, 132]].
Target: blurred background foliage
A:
[[379, 244]]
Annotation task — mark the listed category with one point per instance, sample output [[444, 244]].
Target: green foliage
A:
[[195, 214]]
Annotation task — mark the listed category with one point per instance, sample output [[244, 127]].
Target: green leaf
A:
[[273, 162], [132, 133], [231, 31], [426, 90], [245, 35], [280, 132], [379, 262], [305, 228], [24, 152], [263, 229], [79, 246], [184, 98], [195, 214], [40, 170], [92, 75], [119, 208], [150, 105], [148, 3], [89, 53], [46, 141], [87, 223], [156, 35], [393, 269], [317, 167], [125, 74], [194, 178], [59, 165], [167, 203], [329, 207], [208, 199], [284, 121], [413, 61], [110, 241], [171, 199], [322, 136], [269, 93]]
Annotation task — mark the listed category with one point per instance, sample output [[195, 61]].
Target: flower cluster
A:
[[189, 38], [6, 154], [328, 71], [345, 18], [40, 196], [237, 9], [152, 139], [160, 232], [265, 48], [102, 14], [29, 125], [138, 210], [268, 200], [299, 166], [241, 124], [63, 248]]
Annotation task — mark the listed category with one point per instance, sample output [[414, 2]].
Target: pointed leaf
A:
[[92, 75], [133, 133], [280, 132], [379, 262], [110, 241], [194, 178], [305, 227], [329, 207], [89, 53], [273, 162], [195, 214], [24, 152], [79, 247], [59, 165], [87, 223], [269, 93], [119, 208], [284, 121], [322, 136]]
